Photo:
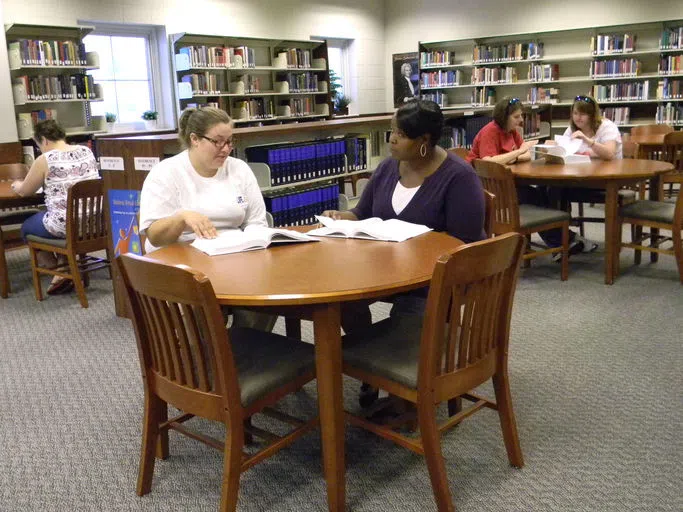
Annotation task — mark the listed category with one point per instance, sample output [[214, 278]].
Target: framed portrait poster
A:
[[406, 78]]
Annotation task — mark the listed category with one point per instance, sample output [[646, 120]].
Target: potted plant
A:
[[340, 103], [150, 117], [110, 118]]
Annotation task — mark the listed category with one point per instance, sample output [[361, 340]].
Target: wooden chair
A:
[[673, 152], [510, 216], [10, 224], [655, 215], [652, 129], [459, 344], [461, 152], [86, 232], [489, 212], [189, 360]]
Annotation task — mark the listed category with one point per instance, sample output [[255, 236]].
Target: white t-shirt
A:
[[230, 199], [607, 131], [402, 196]]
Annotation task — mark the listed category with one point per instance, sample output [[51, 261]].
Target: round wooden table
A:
[[609, 175], [311, 280], [8, 199]]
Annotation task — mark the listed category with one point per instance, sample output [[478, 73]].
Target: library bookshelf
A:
[[635, 72], [48, 67], [257, 81]]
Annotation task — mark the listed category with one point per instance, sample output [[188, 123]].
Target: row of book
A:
[[490, 75], [507, 52], [61, 87], [532, 124], [543, 95], [615, 67], [205, 83], [300, 82], [292, 163], [605, 44], [670, 65], [300, 208], [456, 137], [671, 38], [483, 96], [299, 106], [543, 72], [669, 89], [253, 108], [618, 115], [621, 91], [669, 114], [35, 116], [437, 58], [295, 57], [441, 78], [438, 97], [202, 56], [35, 52]]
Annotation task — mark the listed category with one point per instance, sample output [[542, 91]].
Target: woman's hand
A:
[[578, 134], [200, 224], [527, 145], [337, 215]]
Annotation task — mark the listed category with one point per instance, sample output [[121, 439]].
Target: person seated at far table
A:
[[501, 142], [56, 170], [202, 191]]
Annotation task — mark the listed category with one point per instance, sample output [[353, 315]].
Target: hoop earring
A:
[[423, 150]]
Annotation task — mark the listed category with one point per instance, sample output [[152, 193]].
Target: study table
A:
[[609, 175], [314, 279], [8, 199]]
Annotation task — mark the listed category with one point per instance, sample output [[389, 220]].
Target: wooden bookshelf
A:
[[630, 69], [48, 67], [257, 81]]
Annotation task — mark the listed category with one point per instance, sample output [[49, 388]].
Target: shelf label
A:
[[145, 163], [111, 163], [468, 113]]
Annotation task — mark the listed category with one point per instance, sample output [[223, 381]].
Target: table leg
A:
[[328, 363], [611, 251]]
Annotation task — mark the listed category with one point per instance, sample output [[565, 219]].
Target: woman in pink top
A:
[[56, 170]]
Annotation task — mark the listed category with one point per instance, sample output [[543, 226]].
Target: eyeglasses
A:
[[587, 99], [218, 144]]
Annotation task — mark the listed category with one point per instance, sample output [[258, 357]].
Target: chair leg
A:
[[37, 288], [4, 272], [232, 468], [508, 425], [636, 234], [564, 272], [162, 439], [526, 263], [678, 252], [153, 416], [77, 279], [431, 443], [582, 230]]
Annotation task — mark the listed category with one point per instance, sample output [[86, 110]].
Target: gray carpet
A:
[[596, 381]]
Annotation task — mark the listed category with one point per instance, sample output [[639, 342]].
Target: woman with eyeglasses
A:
[[500, 140], [600, 136], [202, 190]]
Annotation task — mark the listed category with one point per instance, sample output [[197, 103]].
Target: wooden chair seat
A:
[[86, 232], [656, 216], [460, 343], [190, 361]]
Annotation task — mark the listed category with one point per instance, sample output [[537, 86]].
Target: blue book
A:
[[124, 210]]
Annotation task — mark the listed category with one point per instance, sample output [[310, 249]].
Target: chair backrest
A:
[[630, 149], [651, 129], [461, 152], [13, 171], [673, 149], [467, 320], [489, 212], [86, 229], [185, 355], [498, 179]]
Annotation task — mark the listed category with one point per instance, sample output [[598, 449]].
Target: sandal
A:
[[60, 287]]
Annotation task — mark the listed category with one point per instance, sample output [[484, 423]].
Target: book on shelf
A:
[[374, 228], [252, 238], [562, 152]]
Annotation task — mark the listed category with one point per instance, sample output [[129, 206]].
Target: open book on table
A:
[[236, 240], [374, 228], [562, 152]]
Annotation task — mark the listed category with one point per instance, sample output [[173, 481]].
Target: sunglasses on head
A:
[[587, 99], [512, 101]]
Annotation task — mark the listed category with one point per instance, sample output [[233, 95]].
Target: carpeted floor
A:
[[596, 381]]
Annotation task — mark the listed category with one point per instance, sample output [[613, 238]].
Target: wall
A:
[[439, 20], [361, 20]]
